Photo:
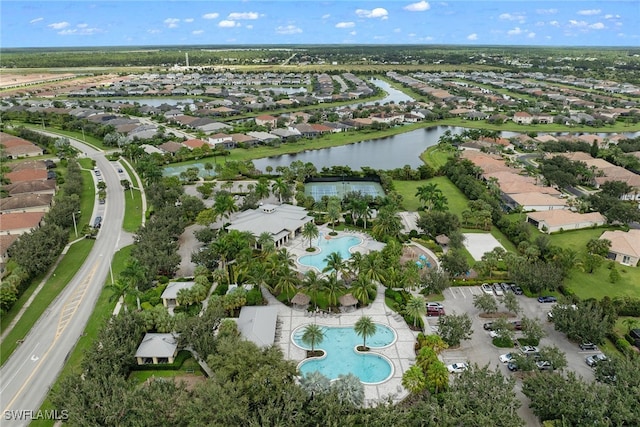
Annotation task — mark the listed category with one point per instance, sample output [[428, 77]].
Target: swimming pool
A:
[[341, 357], [327, 246]]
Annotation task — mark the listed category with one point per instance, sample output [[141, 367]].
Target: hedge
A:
[[176, 365]]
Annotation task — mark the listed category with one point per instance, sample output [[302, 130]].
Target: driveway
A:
[[480, 349]]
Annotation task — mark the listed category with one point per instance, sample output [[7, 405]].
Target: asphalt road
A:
[[480, 349], [34, 366]]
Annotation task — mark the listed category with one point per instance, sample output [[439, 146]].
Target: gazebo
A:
[[348, 300], [300, 300], [442, 240]]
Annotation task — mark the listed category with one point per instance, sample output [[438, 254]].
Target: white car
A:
[[506, 358], [487, 289], [456, 368], [529, 349], [498, 290], [435, 304]]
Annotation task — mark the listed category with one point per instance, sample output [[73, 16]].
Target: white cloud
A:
[[574, 23], [540, 24], [531, 35], [353, 33], [326, 16], [79, 32], [472, 37], [554, 23], [512, 17], [597, 26], [589, 12], [58, 25], [547, 11], [197, 32], [235, 16], [188, 20], [421, 6], [33, 21], [515, 32], [171, 22], [397, 30], [82, 25], [609, 16], [154, 31], [378, 12], [210, 15], [345, 25], [288, 29], [228, 24], [249, 27]]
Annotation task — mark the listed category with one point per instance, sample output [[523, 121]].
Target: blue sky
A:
[[476, 22]]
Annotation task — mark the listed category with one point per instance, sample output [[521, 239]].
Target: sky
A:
[[85, 23]]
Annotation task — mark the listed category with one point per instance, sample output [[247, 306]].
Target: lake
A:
[[383, 153]]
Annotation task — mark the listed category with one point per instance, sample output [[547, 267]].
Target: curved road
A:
[[34, 366]]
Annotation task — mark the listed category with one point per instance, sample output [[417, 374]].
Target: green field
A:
[[436, 157], [457, 201]]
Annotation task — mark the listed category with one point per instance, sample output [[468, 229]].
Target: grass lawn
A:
[[87, 139], [133, 211], [65, 271], [577, 239], [597, 285], [189, 366], [457, 202], [100, 315], [436, 157]]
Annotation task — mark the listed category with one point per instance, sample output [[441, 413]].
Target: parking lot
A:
[[480, 349]]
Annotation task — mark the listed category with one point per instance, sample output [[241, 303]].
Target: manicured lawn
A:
[[190, 367], [436, 157], [457, 202], [87, 139], [65, 271], [577, 239], [133, 211], [597, 285]]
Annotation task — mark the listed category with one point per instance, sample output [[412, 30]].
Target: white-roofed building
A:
[[284, 222], [258, 324], [170, 294], [625, 246], [157, 348]]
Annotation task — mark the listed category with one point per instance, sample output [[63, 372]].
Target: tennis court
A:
[[317, 190]]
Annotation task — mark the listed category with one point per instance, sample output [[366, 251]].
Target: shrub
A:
[[177, 363], [221, 289], [502, 342], [623, 345], [254, 297]]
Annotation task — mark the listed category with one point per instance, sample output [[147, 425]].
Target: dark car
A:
[[547, 298], [517, 325], [97, 222], [595, 359], [588, 346], [488, 326], [517, 289], [512, 366], [506, 287], [435, 311]]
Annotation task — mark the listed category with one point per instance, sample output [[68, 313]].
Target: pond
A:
[[382, 153]]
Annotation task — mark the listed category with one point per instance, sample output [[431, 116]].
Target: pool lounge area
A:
[[326, 245]]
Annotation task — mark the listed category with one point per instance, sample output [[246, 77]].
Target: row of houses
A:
[[13, 147]]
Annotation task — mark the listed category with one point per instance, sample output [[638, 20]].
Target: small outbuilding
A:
[[157, 348], [258, 324], [170, 294]]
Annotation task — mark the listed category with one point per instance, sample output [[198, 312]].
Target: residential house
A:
[[5, 242], [263, 137], [534, 202], [222, 140], [194, 143], [18, 223], [258, 324], [157, 348], [267, 120], [522, 118], [15, 148], [625, 246], [170, 147], [170, 294], [26, 202], [564, 219], [37, 187], [22, 175]]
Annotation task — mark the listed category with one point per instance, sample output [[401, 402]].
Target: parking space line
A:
[[453, 294]]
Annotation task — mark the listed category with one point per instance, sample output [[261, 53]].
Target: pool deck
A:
[[400, 353]]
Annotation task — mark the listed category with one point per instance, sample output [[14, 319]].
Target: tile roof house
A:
[[5, 242], [564, 219], [15, 147], [27, 175], [267, 120], [193, 143], [20, 223], [534, 202], [522, 118], [26, 202], [40, 187], [283, 222], [625, 246], [157, 348]]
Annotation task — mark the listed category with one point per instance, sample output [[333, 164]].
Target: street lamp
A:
[[75, 225]]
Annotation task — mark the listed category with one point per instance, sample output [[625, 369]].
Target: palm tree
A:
[[437, 377], [413, 380], [365, 327], [262, 189], [349, 389], [333, 286], [280, 188], [426, 357], [313, 284], [136, 275], [312, 335], [373, 267], [415, 308], [310, 231], [335, 263], [387, 223], [266, 244], [333, 212], [361, 289], [315, 383], [425, 194], [287, 283], [120, 289], [224, 204]]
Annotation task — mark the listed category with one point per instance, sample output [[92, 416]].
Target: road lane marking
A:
[[17, 370]]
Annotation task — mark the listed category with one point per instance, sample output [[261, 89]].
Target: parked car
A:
[[517, 325], [506, 358], [488, 326], [512, 366], [517, 290], [505, 287], [486, 288], [529, 349], [588, 346], [101, 201], [547, 298], [120, 170], [435, 304], [595, 359], [544, 365], [457, 368], [435, 311], [97, 172], [498, 290], [97, 222]]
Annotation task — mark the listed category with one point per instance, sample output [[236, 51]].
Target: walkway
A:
[[401, 353]]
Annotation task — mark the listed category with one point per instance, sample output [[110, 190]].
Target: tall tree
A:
[[312, 335], [415, 308], [310, 231], [365, 327]]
